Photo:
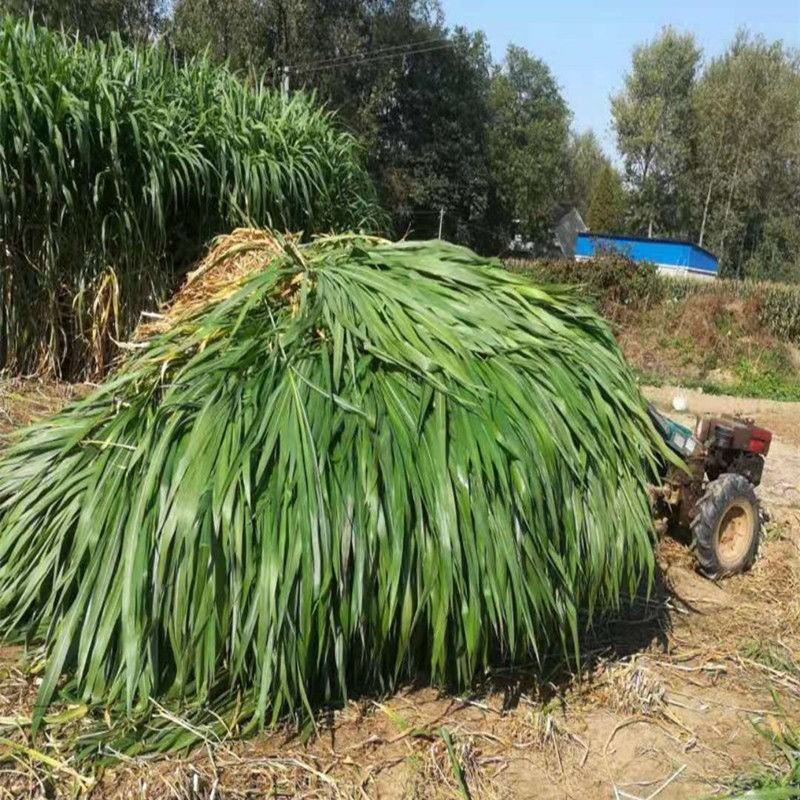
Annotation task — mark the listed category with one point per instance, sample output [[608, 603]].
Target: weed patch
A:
[[780, 781]]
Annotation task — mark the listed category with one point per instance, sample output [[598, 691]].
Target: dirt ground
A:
[[666, 707]]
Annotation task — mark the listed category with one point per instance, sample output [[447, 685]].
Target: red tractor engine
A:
[[733, 445]]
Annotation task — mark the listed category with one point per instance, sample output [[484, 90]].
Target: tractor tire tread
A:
[[718, 495]]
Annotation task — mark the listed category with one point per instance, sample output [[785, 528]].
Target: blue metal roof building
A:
[[671, 256]]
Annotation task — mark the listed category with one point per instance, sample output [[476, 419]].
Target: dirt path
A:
[[783, 419], [664, 707]]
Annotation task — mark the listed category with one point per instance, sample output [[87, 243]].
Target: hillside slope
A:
[[724, 337]]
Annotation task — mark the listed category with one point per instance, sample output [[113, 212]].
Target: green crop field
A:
[[117, 166]]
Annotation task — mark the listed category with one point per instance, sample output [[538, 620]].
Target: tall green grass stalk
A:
[[117, 165], [367, 462]]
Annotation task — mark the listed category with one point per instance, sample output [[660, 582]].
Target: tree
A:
[[133, 20], [607, 207], [776, 256], [422, 117], [747, 174], [528, 141], [653, 120], [232, 31], [431, 149], [585, 161]]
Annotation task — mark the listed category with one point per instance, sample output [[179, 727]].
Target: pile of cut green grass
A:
[[331, 467]]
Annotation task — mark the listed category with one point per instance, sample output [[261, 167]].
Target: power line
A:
[[334, 60], [357, 62], [365, 53], [370, 56]]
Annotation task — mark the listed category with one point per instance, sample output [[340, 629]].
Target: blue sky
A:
[[588, 44]]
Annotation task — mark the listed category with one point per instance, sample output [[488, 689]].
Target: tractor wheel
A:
[[726, 527]]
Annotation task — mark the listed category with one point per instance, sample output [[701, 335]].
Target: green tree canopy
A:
[[585, 161], [528, 140], [714, 154], [653, 120], [746, 177], [607, 206], [133, 20], [232, 31]]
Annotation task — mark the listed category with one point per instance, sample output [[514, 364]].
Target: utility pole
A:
[[285, 83], [441, 220]]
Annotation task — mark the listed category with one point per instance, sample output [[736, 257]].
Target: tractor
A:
[[715, 498]]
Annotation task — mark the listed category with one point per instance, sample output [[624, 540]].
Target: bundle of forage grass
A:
[[330, 467]]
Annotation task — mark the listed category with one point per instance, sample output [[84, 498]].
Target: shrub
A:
[[776, 305], [616, 283], [611, 281]]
